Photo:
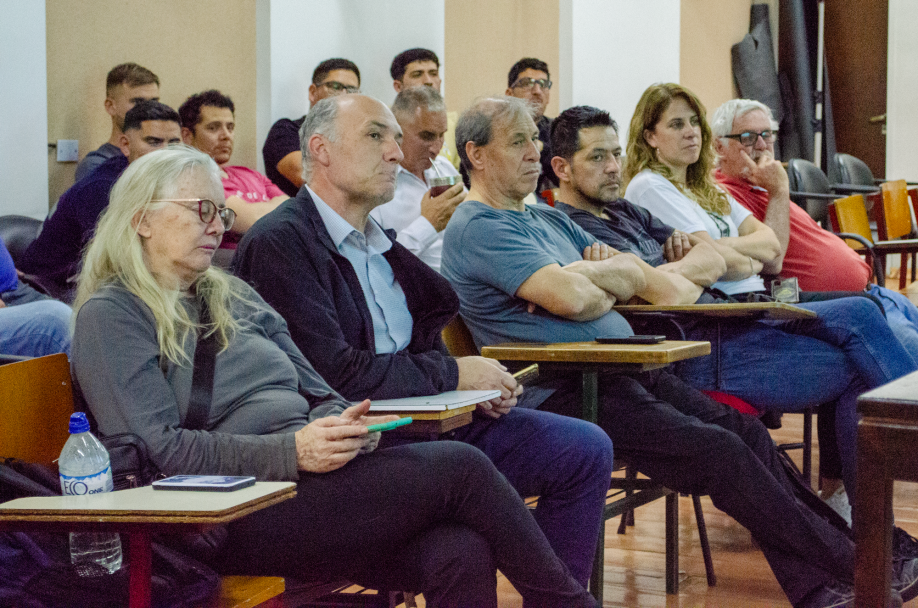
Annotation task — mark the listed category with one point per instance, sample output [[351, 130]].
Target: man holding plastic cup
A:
[[428, 187]]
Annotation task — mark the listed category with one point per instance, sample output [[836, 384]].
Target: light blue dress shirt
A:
[[392, 322]]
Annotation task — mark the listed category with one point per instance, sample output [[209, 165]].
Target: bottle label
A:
[[88, 484]]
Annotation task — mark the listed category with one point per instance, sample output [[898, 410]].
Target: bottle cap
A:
[[78, 423]]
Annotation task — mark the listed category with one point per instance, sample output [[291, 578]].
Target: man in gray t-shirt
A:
[[530, 274]]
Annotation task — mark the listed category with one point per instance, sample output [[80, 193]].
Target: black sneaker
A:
[[905, 577]]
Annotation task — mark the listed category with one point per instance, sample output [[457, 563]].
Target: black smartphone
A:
[[632, 340]]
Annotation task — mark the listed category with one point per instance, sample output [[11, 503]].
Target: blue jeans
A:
[[566, 462], [901, 315], [32, 325], [790, 365]]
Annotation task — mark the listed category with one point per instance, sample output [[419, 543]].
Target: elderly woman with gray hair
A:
[[411, 517]]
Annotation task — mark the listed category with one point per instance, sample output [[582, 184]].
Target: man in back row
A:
[[126, 85], [421, 68], [530, 274], [281, 152], [417, 217], [209, 124], [55, 256], [529, 80], [368, 314]]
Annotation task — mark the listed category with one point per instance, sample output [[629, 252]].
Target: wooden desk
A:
[[768, 310], [141, 512], [434, 424], [589, 358], [886, 439]]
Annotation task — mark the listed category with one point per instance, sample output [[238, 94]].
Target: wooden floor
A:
[[633, 576], [634, 562]]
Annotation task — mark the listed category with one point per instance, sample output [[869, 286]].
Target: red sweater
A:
[[820, 260]]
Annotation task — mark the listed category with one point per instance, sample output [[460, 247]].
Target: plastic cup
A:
[[442, 183]]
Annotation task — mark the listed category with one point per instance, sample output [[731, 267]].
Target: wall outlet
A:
[[68, 150]]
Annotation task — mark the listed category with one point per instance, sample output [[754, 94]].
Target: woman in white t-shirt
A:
[[668, 172]]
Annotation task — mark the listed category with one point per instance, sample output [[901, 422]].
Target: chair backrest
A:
[[852, 170], [849, 214], [18, 232], [804, 176], [458, 339], [893, 214], [36, 401]]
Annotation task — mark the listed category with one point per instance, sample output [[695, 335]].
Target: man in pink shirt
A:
[[744, 135], [208, 124]]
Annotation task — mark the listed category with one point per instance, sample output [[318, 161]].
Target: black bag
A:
[[35, 568]]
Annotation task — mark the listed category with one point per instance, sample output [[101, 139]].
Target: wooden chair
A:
[[36, 401], [848, 220], [892, 212], [624, 495]]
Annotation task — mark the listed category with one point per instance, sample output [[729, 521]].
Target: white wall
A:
[[24, 106], [306, 32], [901, 92], [616, 52]]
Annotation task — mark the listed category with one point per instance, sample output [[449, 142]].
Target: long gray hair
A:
[[115, 254]]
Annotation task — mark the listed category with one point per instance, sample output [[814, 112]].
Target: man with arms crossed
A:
[[417, 217], [281, 152], [744, 139], [368, 314], [530, 274], [209, 124], [126, 85], [55, 256]]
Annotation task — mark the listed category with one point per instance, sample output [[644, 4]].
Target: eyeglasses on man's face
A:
[[528, 83], [339, 88], [207, 209], [749, 138]]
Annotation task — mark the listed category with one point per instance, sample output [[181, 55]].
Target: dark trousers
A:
[[435, 518], [688, 442]]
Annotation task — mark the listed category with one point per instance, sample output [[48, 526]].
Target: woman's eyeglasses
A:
[[749, 138], [207, 210]]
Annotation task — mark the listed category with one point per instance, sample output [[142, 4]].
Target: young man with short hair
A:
[[126, 85], [281, 152], [209, 124], [55, 256], [421, 67]]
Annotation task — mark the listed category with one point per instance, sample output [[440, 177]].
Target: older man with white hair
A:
[[744, 136]]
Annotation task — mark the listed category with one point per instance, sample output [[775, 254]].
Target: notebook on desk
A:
[[433, 403]]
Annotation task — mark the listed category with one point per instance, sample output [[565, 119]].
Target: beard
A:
[[596, 199]]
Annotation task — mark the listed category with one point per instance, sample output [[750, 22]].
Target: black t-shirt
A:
[[283, 138], [548, 179]]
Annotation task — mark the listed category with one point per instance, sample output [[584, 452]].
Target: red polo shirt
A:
[[820, 260]]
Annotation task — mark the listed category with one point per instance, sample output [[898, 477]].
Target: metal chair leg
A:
[[672, 543], [628, 516], [703, 537]]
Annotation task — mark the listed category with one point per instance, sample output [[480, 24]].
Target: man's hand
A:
[[479, 373], [765, 172], [2, 303], [598, 252], [329, 443], [439, 209], [676, 246]]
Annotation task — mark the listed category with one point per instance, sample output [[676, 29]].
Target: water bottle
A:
[[85, 468]]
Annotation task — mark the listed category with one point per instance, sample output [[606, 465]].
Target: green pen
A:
[[388, 426]]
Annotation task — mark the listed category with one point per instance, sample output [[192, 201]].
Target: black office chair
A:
[[810, 188], [852, 171], [18, 232]]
